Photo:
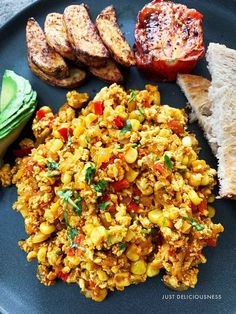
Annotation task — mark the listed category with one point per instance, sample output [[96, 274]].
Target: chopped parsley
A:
[[198, 227], [126, 128], [52, 165], [168, 162], [132, 96], [90, 172], [122, 246], [101, 186], [66, 195], [135, 145], [71, 234], [104, 205]]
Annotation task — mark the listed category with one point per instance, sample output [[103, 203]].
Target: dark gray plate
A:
[[20, 291]]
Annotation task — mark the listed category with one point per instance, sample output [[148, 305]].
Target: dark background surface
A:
[[20, 291]]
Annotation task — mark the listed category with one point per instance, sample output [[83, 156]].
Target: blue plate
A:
[[20, 291]]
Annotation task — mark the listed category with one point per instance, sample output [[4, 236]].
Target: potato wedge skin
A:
[[56, 36], [84, 37], [75, 79], [113, 37], [41, 54], [109, 72]]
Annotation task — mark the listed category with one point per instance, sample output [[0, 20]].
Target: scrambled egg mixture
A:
[[114, 194]]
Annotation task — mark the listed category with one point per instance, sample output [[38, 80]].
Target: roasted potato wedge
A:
[[75, 78], [41, 54], [84, 37], [113, 38], [108, 72], [56, 36]]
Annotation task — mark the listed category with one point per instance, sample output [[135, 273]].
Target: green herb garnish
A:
[[66, 195], [198, 227], [90, 172], [132, 96], [71, 234], [122, 246], [168, 162], [104, 205], [141, 110], [126, 128], [101, 186], [52, 165], [135, 145]]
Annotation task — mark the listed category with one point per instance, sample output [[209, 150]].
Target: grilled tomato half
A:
[[168, 40]]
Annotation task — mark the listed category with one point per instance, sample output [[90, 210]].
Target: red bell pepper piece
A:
[[159, 168], [120, 185], [211, 242], [118, 122], [176, 126], [110, 162], [202, 206], [40, 114], [132, 207], [62, 276], [98, 107], [64, 133], [79, 239]]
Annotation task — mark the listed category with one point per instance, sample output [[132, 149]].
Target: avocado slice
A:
[[17, 104]]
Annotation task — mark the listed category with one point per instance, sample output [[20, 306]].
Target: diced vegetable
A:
[[98, 107], [65, 133], [118, 122], [120, 185]]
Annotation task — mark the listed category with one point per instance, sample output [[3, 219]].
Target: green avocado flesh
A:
[[17, 104]]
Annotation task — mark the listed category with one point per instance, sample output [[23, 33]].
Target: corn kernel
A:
[[130, 235], [154, 215], [79, 130], [88, 228], [152, 270], [135, 124], [82, 140], [90, 118], [74, 260], [45, 228], [98, 235], [131, 175], [195, 179], [132, 253], [108, 217], [205, 180], [131, 155], [66, 177], [139, 267], [164, 133], [185, 160], [137, 116], [211, 211], [102, 275], [194, 197], [211, 199], [199, 165], [39, 237], [56, 145], [41, 256]]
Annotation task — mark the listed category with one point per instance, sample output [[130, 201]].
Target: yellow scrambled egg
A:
[[115, 193]]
